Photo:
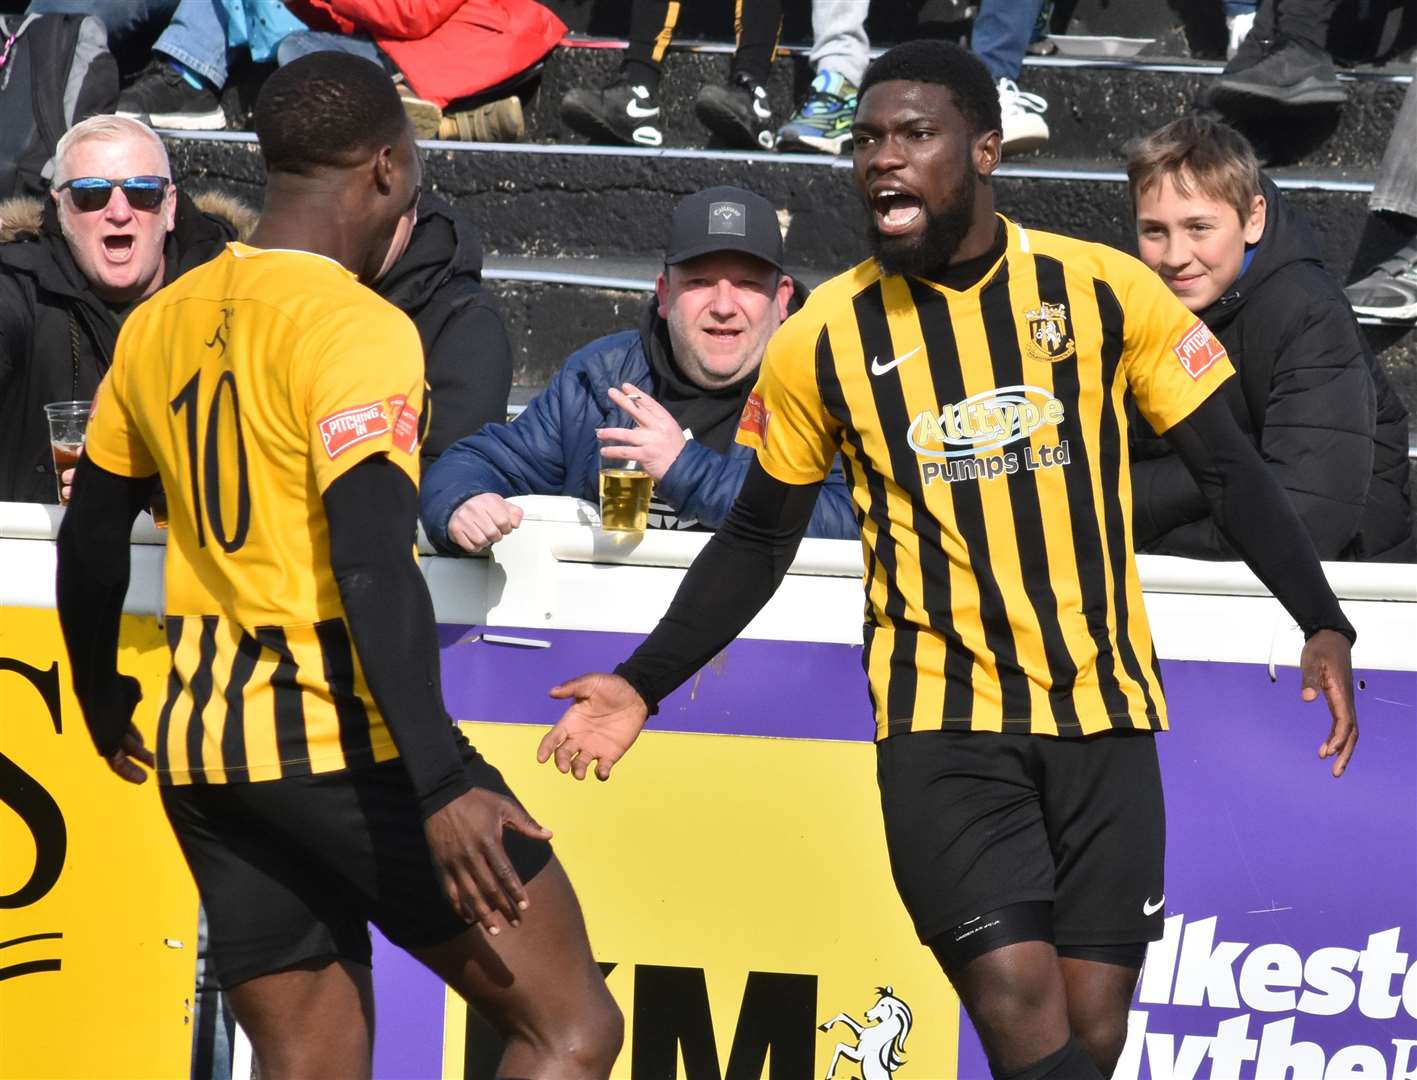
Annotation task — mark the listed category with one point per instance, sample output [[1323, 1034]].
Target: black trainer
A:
[[1288, 74], [738, 113], [619, 113], [163, 98]]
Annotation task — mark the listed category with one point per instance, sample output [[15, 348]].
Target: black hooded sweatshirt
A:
[[1310, 393], [57, 336], [437, 282]]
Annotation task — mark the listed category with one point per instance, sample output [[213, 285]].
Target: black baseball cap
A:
[[724, 219]]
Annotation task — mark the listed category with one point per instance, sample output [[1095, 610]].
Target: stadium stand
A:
[[572, 229]]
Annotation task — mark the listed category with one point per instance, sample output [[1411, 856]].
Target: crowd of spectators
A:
[[1311, 392]]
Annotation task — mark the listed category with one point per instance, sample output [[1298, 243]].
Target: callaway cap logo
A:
[[727, 218]]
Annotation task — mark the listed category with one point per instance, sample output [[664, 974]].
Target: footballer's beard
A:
[[933, 247]]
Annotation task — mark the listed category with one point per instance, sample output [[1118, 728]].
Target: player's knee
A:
[[1103, 1038], [592, 1040]]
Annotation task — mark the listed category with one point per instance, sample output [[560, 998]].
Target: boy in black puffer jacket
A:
[[1308, 388]]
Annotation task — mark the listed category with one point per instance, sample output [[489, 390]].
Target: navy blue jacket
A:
[[551, 449]]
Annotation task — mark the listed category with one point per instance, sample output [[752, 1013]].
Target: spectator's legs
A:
[[738, 113], [1284, 61], [179, 88], [1000, 38], [651, 29], [305, 42], [196, 37], [1001, 32], [757, 25], [839, 55], [1396, 187], [1239, 21], [1306, 21], [627, 109], [839, 38], [1390, 291]]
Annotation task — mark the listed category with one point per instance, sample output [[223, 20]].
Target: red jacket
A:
[[446, 49]]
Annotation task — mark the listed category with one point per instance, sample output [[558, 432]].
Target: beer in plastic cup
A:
[[157, 506], [67, 421], [624, 495]]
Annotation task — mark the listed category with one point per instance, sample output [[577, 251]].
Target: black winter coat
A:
[[1310, 392], [467, 358], [56, 336]]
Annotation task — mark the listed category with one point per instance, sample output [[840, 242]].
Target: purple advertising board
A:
[[1291, 897]]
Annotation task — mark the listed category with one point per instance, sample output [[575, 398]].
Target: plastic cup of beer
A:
[[624, 495], [67, 421]]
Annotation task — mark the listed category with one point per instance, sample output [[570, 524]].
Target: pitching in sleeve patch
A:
[[754, 420], [350, 427], [405, 423], [1198, 350]]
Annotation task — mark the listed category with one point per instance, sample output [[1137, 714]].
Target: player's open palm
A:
[[1326, 666], [602, 723], [465, 838]]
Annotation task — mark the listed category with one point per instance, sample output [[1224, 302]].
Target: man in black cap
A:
[[668, 394]]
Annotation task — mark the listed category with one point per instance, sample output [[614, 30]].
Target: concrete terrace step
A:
[[1094, 107], [544, 210], [593, 297], [533, 200]]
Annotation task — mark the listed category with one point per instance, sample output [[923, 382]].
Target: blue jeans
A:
[[304, 42], [1001, 33], [202, 33]]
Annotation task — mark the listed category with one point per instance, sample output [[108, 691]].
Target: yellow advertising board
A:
[[98, 915], [737, 919]]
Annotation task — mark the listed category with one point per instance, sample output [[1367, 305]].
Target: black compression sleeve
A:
[[733, 577], [1255, 515], [372, 510], [92, 580]]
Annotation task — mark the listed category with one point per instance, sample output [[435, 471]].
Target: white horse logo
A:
[[880, 1046]]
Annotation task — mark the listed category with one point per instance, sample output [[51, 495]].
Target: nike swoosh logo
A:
[[1148, 908], [878, 368], [639, 112]]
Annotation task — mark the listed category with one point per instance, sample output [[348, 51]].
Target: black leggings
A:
[[756, 25]]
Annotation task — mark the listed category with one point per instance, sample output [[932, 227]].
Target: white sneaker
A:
[[1239, 27], [1023, 123]]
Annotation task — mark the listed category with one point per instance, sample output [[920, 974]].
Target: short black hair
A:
[[326, 109], [944, 64]]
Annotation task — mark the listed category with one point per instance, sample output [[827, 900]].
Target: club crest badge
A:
[[1048, 337]]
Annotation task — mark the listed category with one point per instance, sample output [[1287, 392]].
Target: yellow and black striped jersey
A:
[[984, 434], [250, 385]]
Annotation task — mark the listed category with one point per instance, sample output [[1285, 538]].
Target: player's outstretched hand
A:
[[466, 840], [602, 723], [1327, 668], [123, 760]]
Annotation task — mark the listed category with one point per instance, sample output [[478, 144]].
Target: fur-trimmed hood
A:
[[22, 218]]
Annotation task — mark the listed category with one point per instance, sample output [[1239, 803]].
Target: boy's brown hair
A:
[[1201, 151]]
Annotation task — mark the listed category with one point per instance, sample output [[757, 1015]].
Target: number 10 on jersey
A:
[[211, 447]]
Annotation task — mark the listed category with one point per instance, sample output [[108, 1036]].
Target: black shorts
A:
[[293, 870], [977, 820]]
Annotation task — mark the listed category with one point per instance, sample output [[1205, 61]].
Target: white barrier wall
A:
[[733, 872]]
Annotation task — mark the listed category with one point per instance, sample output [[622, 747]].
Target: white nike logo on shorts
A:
[[878, 368], [1148, 908]]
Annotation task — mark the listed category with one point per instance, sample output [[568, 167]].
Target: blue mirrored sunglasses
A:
[[91, 193]]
